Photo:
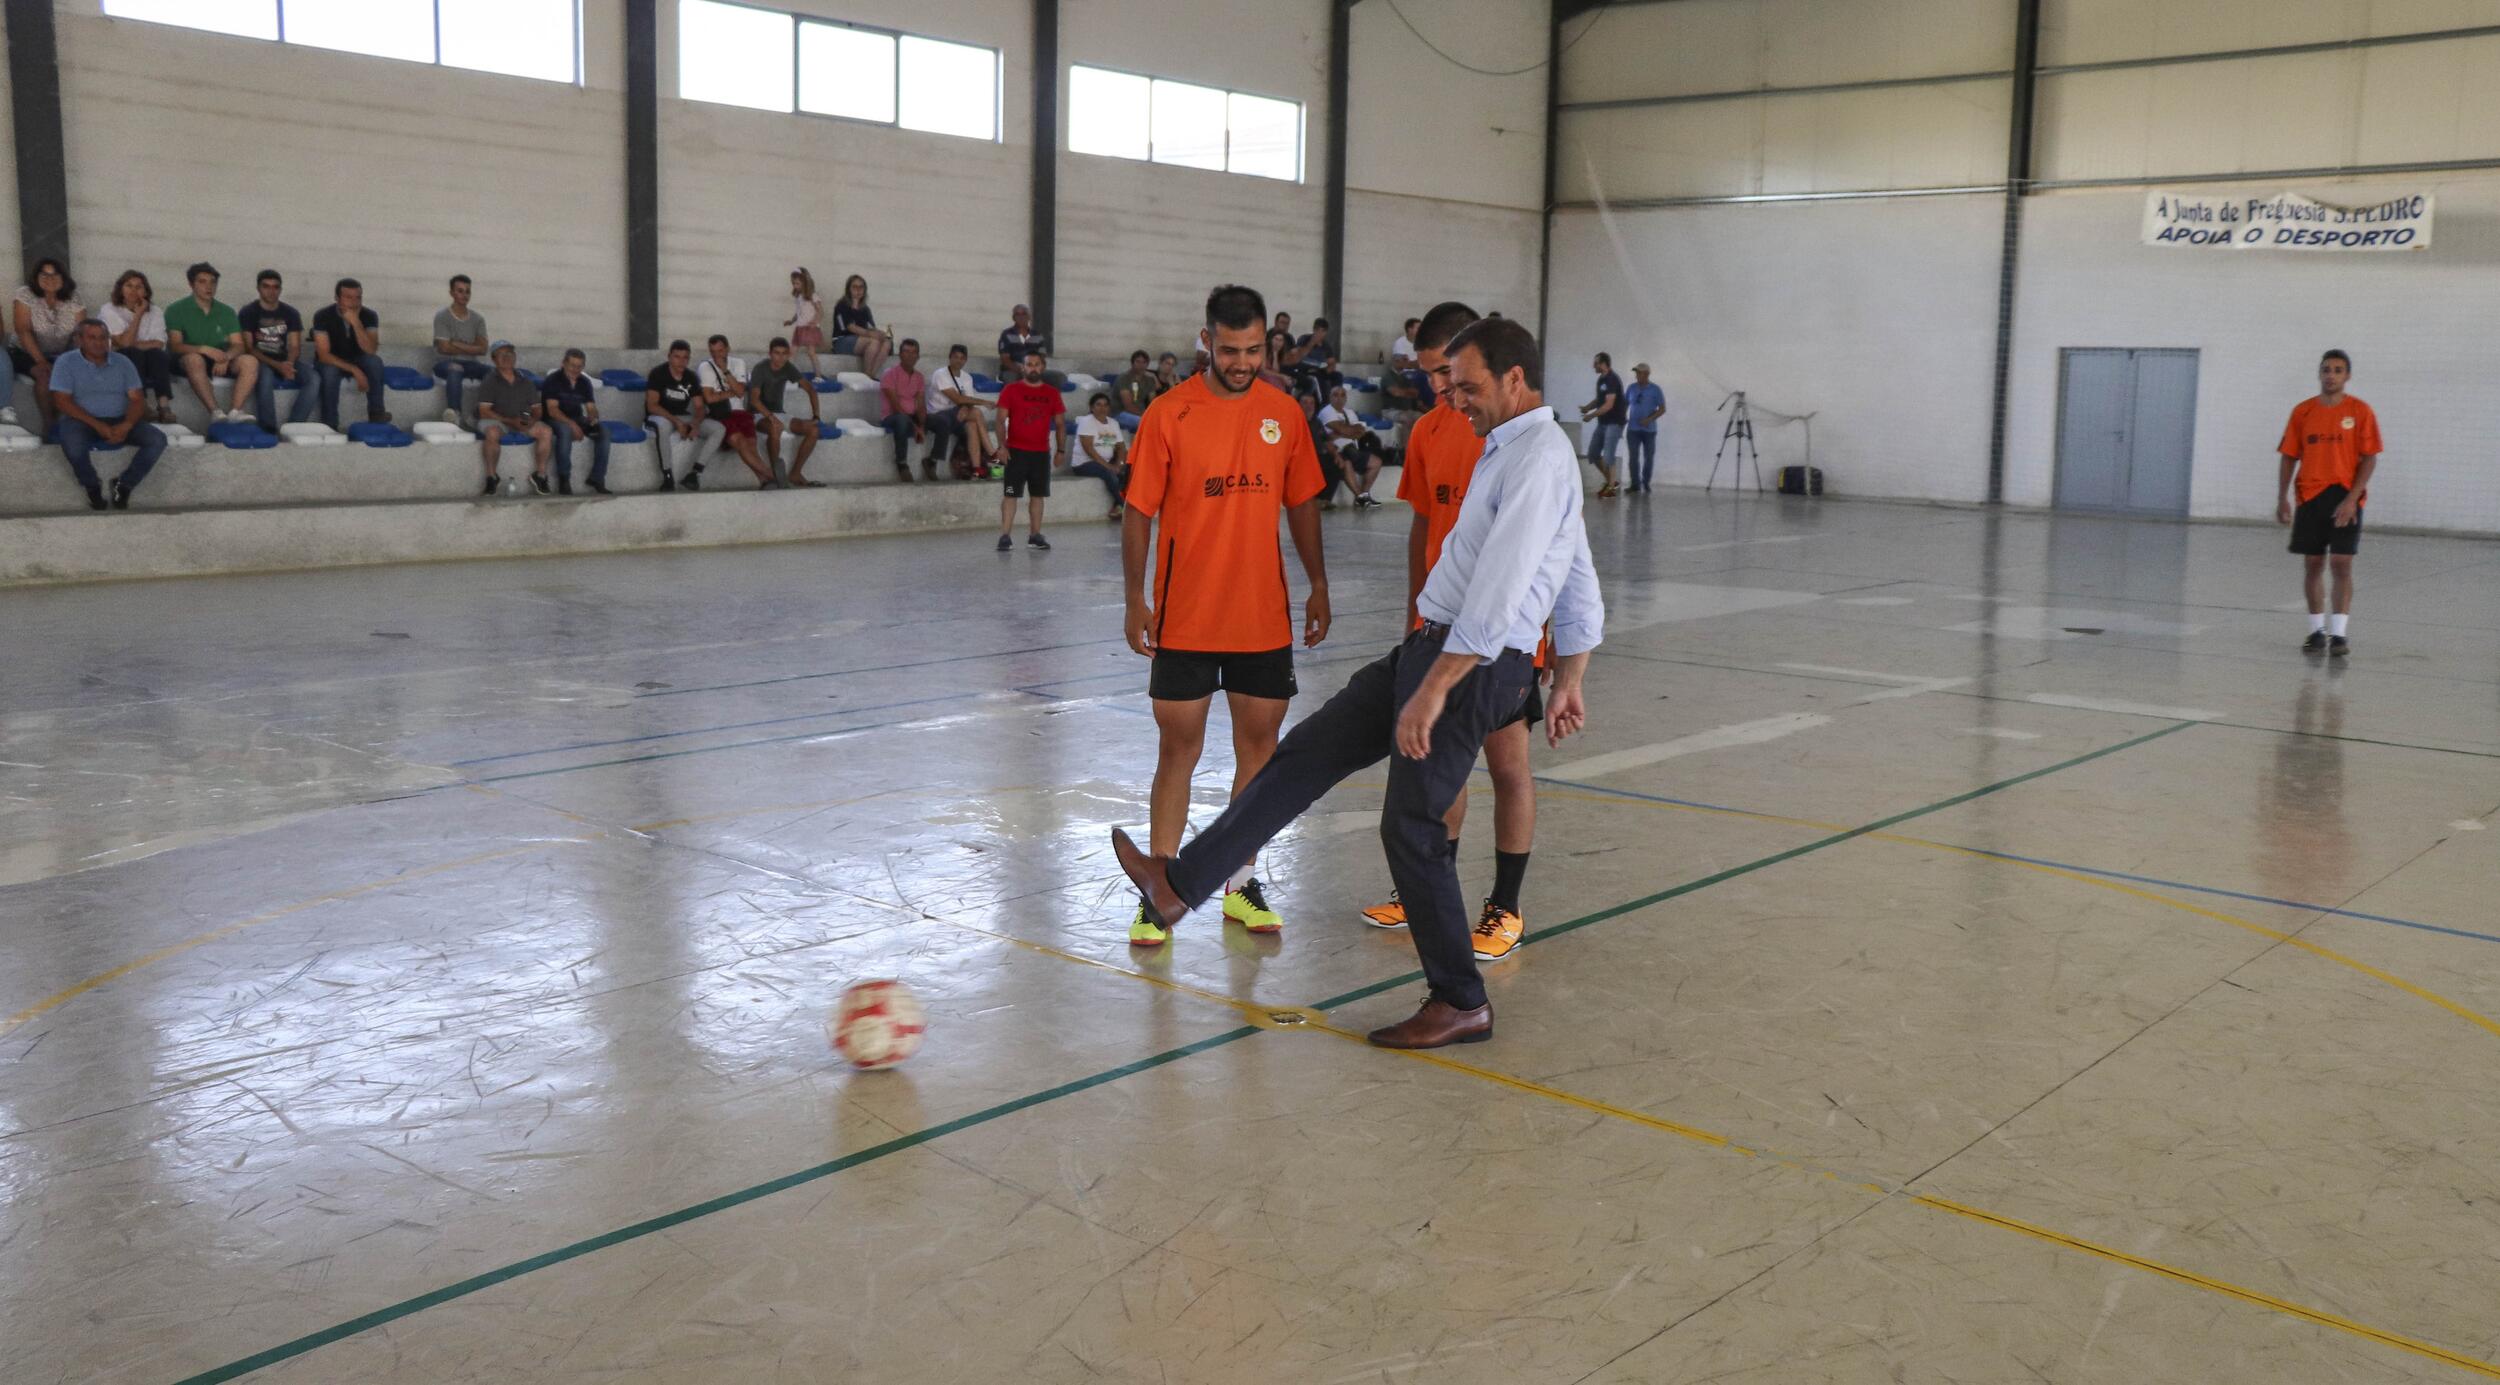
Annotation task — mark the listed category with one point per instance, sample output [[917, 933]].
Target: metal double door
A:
[[2126, 429]]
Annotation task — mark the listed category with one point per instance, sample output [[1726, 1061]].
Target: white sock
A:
[[2317, 621], [2335, 624], [1248, 871]]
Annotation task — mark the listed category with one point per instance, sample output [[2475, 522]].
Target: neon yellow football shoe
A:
[[1248, 907], [1143, 931]]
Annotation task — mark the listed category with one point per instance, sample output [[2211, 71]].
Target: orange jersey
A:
[[1442, 450], [1216, 474], [2329, 444]]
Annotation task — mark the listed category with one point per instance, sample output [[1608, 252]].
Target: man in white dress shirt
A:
[[1519, 554]]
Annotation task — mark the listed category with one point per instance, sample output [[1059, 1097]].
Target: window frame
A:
[[578, 80], [799, 22], [1301, 139]]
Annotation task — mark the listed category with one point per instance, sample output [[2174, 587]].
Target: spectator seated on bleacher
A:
[[570, 408], [903, 395], [1102, 449], [669, 396], [346, 338], [1022, 339], [97, 396], [951, 413], [728, 411], [1133, 391], [137, 329], [776, 413], [1354, 448], [1167, 372], [507, 403], [1407, 386], [208, 343], [43, 327], [275, 332], [855, 329], [459, 346]]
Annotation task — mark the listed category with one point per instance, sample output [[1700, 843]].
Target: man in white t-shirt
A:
[[1102, 450], [728, 412], [1407, 384], [1353, 446], [952, 410]]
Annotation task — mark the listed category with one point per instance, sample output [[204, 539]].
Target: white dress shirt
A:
[[1520, 551]]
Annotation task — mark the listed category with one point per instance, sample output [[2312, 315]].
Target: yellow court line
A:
[[103, 978]]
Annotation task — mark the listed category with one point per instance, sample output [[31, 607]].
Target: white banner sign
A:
[[2284, 221]]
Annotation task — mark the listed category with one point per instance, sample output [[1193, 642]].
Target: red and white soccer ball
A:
[[877, 1025]]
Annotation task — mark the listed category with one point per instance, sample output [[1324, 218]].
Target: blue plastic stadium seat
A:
[[1378, 423], [406, 377], [1360, 385], [624, 432], [378, 434], [243, 437], [617, 379], [825, 385], [984, 384]]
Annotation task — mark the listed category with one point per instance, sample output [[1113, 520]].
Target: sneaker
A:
[[1005, 543], [1248, 906], [1497, 933], [599, 489], [1365, 500], [490, 487], [1117, 513], [452, 417], [2315, 644], [1038, 541], [564, 487], [667, 482], [693, 481], [1389, 915], [95, 498], [1143, 931], [2336, 645], [121, 494], [538, 483]]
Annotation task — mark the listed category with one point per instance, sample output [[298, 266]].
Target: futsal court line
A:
[[393, 1312]]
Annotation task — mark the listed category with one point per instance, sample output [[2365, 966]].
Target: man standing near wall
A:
[[1518, 556], [1029, 411], [1441, 453], [1645, 404], [1603, 417], [1218, 460], [2330, 449]]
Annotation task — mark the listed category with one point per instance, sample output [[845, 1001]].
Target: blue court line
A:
[[2214, 890], [707, 730]]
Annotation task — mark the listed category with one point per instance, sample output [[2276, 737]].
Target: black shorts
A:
[[1531, 708], [1028, 473], [1186, 675], [2313, 526]]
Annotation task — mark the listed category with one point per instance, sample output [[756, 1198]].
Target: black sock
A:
[[1509, 868]]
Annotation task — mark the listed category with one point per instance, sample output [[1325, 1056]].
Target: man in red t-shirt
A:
[[2330, 448], [1036, 444]]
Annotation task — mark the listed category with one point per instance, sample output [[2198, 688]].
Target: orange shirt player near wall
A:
[[2330, 450]]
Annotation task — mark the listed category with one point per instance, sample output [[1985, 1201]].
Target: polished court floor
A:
[[1966, 947]]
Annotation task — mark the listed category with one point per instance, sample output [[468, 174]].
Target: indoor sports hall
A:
[[2004, 918]]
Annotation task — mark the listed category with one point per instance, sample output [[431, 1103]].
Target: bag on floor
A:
[[1801, 480]]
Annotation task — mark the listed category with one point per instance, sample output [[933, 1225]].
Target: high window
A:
[[519, 38], [1125, 116], [740, 55]]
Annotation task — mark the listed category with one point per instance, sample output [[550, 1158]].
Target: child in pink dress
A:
[[807, 316]]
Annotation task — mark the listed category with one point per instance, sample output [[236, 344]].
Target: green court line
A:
[[406, 1307]]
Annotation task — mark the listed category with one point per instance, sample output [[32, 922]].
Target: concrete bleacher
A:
[[208, 508]]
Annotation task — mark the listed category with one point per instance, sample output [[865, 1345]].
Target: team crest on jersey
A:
[[1271, 432], [2348, 422]]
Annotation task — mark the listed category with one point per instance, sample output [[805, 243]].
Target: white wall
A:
[[1445, 167], [188, 146], [1732, 45], [2417, 325], [939, 225], [1876, 316], [1140, 244], [2083, 31]]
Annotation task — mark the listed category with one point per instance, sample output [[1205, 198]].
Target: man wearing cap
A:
[[506, 402], [1646, 404]]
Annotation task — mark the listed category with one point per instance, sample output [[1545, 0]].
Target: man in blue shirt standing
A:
[[96, 392], [1518, 555], [1646, 404]]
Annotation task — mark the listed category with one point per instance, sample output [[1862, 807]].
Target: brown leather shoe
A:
[[1436, 1024], [1151, 876]]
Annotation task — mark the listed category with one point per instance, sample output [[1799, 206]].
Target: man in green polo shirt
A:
[[208, 341]]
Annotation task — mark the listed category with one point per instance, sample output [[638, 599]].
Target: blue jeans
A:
[[265, 393], [451, 370], [599, 441], [899, 427], [77, 439], [1110, 480], [155, 365], [1644, 455], [1602, 440], [377, 405], [1130, 422]]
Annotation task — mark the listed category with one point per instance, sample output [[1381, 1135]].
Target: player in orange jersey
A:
[[1441, 452], [2330, 450], [1218, 459]]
